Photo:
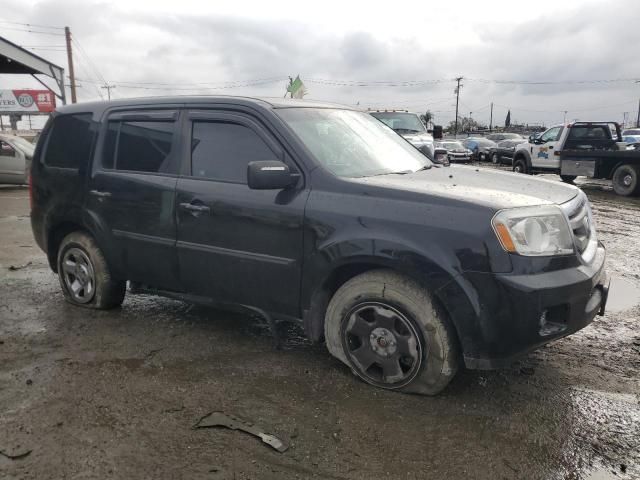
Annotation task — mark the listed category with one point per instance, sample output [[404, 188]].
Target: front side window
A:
[[222, 151], [70, 141], [139, 147], [551, 135], [352, 144]]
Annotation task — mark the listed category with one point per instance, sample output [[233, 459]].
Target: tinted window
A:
[[139, 147], [221, 151], [70, 141]]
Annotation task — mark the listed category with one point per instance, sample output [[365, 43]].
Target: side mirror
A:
[[269, 175]]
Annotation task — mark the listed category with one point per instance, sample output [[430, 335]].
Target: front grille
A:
[[577, 211]]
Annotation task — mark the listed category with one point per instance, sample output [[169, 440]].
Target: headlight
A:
[[534, 231]]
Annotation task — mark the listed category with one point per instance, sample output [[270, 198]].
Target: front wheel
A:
[[625, 180], [520, 166], [84, 274], [568, 178], [495, 159], [392, 334]]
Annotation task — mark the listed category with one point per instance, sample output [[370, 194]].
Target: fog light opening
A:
[[553, 320]]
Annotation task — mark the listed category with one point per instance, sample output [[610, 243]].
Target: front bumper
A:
[[520, 313]]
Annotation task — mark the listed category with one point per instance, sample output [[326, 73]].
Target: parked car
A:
[[480, 147], [15, 159], [498, 137], [591, 149], [504, 150], [410, 126], [456, 152], [315, 213], [631, 131], [631, 139]]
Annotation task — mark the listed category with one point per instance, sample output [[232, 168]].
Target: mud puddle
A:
[[623, 294]]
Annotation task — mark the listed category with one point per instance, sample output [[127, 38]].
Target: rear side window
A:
[[140, 147], [70, 141], [221, 151]]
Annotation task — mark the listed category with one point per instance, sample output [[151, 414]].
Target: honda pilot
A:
[[316, 213]]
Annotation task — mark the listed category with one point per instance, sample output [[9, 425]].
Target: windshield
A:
[[450, 145], [24, 145], [352, 144], [401, 122]]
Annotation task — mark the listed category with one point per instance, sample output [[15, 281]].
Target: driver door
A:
[[542, 152]]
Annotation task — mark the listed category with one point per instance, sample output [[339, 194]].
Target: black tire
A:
[[520, 166], [625, 180], [421, 345], [495, 159], [568, 178], [81, 263]]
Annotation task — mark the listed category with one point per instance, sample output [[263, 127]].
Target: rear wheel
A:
[[388, 329], [84, 274], [625, 180], [520, 166], [568, 178]]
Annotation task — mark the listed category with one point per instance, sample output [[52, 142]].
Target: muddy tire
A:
[[495, 159], [389, 331], [84, 274], [626, 180], [520, 166], [568, 178]]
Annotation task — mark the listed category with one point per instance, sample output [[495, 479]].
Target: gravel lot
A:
[[87, 394]]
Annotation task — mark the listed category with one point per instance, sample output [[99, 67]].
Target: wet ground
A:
[[87, 394]]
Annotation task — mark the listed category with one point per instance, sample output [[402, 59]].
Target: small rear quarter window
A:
[[70, 141]]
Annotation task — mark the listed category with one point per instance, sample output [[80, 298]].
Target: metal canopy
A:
[[16, 60]]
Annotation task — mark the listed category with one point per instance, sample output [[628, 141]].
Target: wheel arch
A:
[[422, 269], [522, 155]]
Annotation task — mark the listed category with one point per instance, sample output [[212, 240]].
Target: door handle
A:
[[99, 194], [195, 208]]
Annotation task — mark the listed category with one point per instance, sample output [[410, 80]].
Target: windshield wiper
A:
[[406, 130]]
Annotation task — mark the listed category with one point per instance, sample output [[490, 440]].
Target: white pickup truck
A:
[[591, 149]]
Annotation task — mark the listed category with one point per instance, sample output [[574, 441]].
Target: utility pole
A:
[[108, 88], [455, 134], [72, 76], [565, 116], [491, 118], [638, 120]]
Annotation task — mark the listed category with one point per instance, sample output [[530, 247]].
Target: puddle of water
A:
[[601, 474], [623, 295]]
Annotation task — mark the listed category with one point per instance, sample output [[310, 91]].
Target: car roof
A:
[[186, 100]]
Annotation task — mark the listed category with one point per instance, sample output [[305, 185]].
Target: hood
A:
[[490, 188], [418, 138]]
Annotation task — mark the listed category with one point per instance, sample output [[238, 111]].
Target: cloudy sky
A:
[[537, 58]]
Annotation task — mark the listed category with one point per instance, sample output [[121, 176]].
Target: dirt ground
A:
[[105, 395]]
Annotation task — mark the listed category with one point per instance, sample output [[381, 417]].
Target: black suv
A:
[[317, 213]]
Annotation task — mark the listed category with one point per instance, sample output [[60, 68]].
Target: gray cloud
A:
[[590, 43]]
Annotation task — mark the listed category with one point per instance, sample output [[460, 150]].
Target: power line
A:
[[32, 25], [33, 31]]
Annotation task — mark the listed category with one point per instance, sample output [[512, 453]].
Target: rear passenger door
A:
[[235, 244], [132, 194]]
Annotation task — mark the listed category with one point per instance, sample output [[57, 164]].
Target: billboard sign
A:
[[27, 101]]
